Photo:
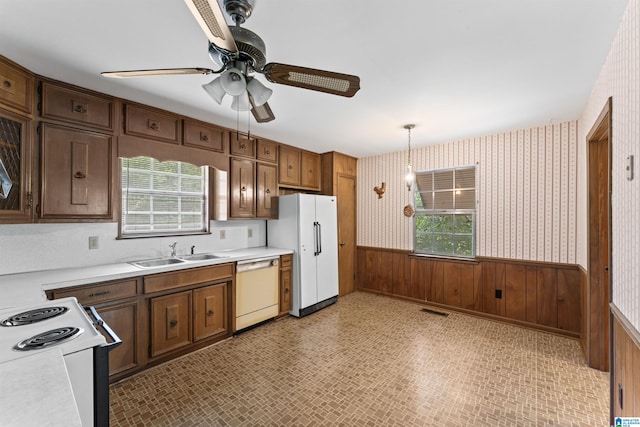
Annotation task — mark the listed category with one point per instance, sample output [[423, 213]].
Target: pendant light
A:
[[410, 175]]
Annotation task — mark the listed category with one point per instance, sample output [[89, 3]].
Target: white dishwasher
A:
[[256, 291]]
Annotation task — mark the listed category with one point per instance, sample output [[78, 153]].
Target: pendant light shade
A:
[[215, 90], [241, 102], [259, 92], [233, 82]]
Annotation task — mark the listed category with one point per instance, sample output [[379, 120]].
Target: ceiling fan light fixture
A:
[[259, 92], [241, 102], [233, 82], [215, 90]]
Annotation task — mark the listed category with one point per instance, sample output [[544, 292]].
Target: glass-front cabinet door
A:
[[15, 168]]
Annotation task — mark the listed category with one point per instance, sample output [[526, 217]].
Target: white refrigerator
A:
[[308, 224]]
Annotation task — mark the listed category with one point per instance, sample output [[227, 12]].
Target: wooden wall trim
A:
[[625, 367]]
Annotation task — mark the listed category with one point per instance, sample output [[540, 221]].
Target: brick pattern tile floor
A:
[[372, 361]]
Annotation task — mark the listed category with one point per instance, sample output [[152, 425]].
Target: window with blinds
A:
[[162, 198], [445, 217]]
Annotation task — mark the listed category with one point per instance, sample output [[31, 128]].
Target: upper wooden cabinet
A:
[[152, 123], [241, 145], [203, 135], [61, 102], [310, 170], [266, 191], [289, 166], [267, 151], [241, 189], [16, 199], [299, 168], [16, 87], [76, 170]]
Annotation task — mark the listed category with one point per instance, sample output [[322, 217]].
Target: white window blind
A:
[[162, 198]]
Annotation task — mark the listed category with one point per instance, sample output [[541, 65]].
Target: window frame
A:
[[122, 234], [424, 212]]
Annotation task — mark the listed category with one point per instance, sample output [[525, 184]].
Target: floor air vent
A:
[[439, 313]]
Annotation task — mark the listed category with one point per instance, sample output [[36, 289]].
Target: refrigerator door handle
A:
[[315, 238], [319, 238]]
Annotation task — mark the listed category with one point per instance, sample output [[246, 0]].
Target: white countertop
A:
[[35, 391], [29, 288]]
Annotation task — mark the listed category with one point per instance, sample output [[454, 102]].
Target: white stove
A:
[[65, 325]]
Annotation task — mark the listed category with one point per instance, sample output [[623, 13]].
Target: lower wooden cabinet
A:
[[123, 318], [286, 283], [119, 305], [170, 322], [210, 311]]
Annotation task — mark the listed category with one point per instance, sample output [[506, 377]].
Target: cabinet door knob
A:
[[204, 137], [342, 243], [79, 175], [243, 189], [286, 290], [210, 313], [266, 151], [267, 191], [290, 166], [173, 323], [153, 125], [7, 83], [243, 146], [79, 108]]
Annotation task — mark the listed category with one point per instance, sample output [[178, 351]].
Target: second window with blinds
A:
[[445, 218]]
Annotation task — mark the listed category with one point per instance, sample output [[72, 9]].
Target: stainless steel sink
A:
[[156, 262], [199, 257]]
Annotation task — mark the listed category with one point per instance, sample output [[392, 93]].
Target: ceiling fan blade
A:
[[211, 20], [157, 72], [310, 78], [262, 113]]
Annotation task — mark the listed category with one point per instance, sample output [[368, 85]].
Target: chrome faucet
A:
[[173, 249]]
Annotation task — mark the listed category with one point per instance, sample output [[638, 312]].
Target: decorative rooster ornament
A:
[[380, 190]]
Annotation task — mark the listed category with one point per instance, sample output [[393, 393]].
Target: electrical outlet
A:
[[249, 233], [94, 242], [223, 234]]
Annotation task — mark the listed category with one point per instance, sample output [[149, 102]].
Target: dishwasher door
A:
[[256, 291]]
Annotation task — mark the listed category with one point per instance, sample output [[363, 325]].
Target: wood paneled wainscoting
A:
[[542, 295], [625, 367]]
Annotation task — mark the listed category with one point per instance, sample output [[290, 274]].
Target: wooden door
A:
[[170, 322], [242, 182], [209, 311], [346, 195], [599, 215], [266, 191], [123, 318], [75, 173], [289, 166]]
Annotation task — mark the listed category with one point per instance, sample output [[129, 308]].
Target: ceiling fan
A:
[[238, 53]]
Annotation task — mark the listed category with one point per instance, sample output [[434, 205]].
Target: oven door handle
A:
[[99, 323]]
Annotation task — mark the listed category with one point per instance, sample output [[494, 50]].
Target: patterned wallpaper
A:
[[620, 79], [526, 185]]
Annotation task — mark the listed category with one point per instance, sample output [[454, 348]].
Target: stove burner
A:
[[33, 316], [45, 339]]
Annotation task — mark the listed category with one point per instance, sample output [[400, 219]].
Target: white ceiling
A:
[[455, 68]]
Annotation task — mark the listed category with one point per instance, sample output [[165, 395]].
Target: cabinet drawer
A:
[[177, 279], [267, 151], [153, 124], [16, 86], [240, 145], [90, 295], [203, 136], [70, 105], [285, 261]]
